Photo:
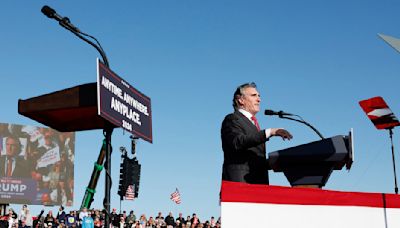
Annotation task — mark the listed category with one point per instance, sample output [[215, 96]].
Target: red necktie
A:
[[254, 119], [9, 167]]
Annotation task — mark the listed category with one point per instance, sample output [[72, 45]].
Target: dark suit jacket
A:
[[244, 150], [20, 170]]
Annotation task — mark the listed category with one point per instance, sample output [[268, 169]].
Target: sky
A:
[[316, 59]]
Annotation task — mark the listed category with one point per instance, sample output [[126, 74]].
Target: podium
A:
[[74, 109], [71, 109], [311, 164]]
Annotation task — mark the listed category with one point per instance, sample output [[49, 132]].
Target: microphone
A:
[[273, 113], [64, 21]]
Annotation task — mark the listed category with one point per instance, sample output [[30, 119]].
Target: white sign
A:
[[50, 157]]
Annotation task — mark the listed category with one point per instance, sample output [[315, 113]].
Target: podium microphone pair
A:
[[64, 21], [274, 113]]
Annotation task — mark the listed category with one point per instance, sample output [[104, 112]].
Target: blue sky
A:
[[312, 58]]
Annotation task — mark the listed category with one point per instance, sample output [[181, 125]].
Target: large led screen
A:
[[36, 165]]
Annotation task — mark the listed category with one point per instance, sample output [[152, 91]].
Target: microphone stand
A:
[[98, 48], [303, 122], [107, 131]]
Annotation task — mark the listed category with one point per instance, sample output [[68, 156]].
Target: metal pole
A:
[[107, 133], [120, 205], [396, 190]]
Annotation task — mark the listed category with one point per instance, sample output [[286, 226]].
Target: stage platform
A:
[[247, 205]]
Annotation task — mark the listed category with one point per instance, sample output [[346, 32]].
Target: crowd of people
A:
[[95, 219]]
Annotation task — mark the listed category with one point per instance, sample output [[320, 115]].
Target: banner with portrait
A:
[[36, 165]]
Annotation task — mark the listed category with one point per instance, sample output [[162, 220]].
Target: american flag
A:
[[130, 194], [176, 196]]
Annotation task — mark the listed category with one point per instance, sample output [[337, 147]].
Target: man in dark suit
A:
[[243, 142], [13, 165]]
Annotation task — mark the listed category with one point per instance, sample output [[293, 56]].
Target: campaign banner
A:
[[122, 104], [17, 189], [36, 165], [251, 205]]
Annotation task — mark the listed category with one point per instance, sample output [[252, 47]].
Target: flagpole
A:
[[120, 203], [176, 212], [396, 189], [176, 205]]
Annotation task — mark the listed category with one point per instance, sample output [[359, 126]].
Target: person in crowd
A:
[[4, 221], [39, 220], [151, 223], [12, 218], [97, 219], [122, 222], [131, 217], [207, 224], [194, 220], [11, 164], [170, 221], [143, 220], [188, 221], [124, 215], [61, 215], [95, 213], [22, 215], [102, 216], [178, 223], [181, 220], [28, 223], [71, 219], [87, 221], [243, 141], [83, 213], [115, 218], [213, 222], [137, 225], [49, 220], [97, 222], [160, 219], [218, 224]]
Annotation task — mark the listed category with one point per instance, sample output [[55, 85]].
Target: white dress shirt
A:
[[248, 115]]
